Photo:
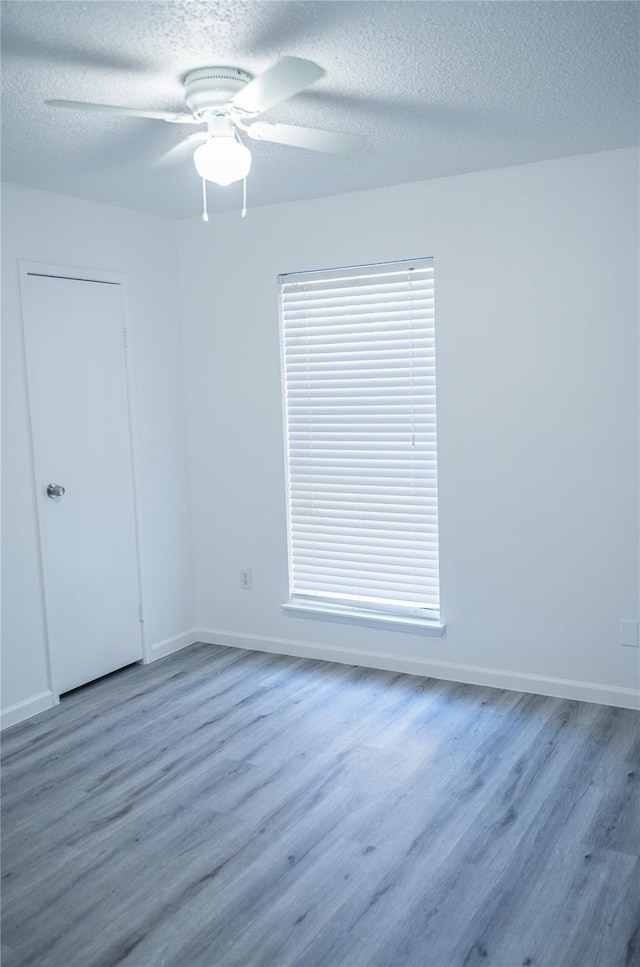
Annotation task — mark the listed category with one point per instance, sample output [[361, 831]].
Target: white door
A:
[[78, 397]]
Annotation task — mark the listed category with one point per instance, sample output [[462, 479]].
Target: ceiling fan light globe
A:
[[222, 160]]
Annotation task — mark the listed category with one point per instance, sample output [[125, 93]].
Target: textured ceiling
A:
[[438, 88]]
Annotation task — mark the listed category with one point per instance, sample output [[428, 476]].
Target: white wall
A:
[[537, 341], [50, 228], [537, 321]]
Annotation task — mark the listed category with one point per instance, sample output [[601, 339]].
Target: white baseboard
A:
[[25, 709], [428, 668], [44, 700], [167, 647]]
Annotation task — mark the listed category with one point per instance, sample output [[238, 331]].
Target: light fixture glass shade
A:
[[223, 160]]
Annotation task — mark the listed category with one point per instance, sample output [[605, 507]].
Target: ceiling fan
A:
[[228, 100]]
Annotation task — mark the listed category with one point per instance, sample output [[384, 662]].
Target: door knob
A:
[[55, 490]]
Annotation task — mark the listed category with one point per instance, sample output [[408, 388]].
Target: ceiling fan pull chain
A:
[[244, 197], [205, 216]]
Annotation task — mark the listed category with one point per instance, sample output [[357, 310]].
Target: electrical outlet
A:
[[245, 578], [629, 633]]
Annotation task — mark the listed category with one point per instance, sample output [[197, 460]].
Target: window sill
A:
[[425, 626]]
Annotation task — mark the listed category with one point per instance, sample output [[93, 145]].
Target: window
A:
[[360, 426]]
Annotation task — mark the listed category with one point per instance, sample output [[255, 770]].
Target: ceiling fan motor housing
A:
[[211, 88]]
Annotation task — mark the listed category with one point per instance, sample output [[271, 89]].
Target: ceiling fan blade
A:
[[127, 111], [181, 151], [332, 142], [287, 77]]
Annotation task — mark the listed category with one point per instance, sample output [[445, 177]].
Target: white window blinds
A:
[[360, 424]]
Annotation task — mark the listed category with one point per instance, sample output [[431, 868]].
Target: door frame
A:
[[73, 273]]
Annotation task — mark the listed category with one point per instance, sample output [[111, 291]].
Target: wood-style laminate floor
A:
[[226, 808]]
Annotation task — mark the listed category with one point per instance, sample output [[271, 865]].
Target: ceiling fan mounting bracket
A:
[[208, 89]]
